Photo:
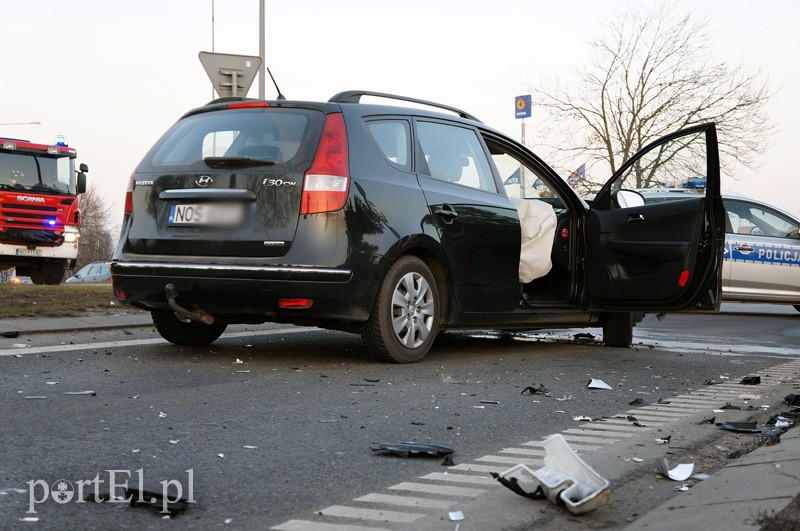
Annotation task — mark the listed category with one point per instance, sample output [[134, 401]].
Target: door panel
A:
[[659, 256]]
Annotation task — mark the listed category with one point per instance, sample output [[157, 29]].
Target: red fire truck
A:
[[39, 209]]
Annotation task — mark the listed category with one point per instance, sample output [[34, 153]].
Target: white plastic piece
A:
[[538, 225], [681, 472], [568, 477], [565, 476], [594, 383]]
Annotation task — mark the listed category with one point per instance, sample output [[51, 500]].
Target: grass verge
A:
[[64, 300]]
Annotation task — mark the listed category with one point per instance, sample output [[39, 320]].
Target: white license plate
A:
[[216, 214], [29, 252]]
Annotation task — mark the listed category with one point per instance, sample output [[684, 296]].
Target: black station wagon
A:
[[397, 223]]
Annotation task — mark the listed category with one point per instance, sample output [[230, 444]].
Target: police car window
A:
[[454, 154], [758, 221], [393, 138]]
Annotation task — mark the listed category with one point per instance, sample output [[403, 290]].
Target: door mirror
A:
[[627, 198], [81, 185], [83, 168]]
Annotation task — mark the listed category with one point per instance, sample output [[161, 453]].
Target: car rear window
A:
[[278, 136]]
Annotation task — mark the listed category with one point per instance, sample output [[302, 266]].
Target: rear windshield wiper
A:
[[237, 162]]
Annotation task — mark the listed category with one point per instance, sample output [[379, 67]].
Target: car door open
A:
[[662, 256]]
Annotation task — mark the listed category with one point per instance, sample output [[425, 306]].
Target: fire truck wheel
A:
[[50, 274]]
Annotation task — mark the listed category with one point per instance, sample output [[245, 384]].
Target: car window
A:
[[393, 137], [522, 181], [454, 154], [680, 163], [757, 220]]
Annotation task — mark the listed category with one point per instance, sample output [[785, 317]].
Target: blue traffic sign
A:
[[522, 106]]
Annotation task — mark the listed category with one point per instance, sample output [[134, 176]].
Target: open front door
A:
[[653, 250]]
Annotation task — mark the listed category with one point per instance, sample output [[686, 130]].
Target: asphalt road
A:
[[272, 424]]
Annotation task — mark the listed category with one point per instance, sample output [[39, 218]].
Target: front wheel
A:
[[618, 329], [49, 274], [405, 318], [178, 332]]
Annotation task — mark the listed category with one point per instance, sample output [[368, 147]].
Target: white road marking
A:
[[370, 514], [306, 525], [133, 343]]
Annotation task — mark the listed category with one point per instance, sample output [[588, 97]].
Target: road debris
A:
[[541, 390], [87, 393], [582, 418], [412, 450], [637, 402], [663, 440], [456, 516], [750, 380], [564, 478], [11, 334], [598, 384], [682, 472]]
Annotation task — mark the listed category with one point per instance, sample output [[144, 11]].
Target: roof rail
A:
[[354, 96]]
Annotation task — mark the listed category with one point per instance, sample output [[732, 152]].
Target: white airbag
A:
[[538, 223]]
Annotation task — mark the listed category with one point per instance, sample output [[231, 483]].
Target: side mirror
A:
[[627, 198], [83, 168], [81, 184]]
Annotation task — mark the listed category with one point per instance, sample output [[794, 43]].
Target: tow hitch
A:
[[182, 313]]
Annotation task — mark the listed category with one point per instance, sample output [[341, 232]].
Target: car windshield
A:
[[36, 173]]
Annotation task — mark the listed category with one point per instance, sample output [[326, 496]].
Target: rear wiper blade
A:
[[240, 162]]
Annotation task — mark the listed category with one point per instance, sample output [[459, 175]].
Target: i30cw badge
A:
[[204, 180]]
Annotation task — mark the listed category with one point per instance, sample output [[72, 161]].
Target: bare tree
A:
[[653, 73], [96, 242]]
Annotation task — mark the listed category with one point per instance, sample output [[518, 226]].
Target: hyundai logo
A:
[[204, 181]]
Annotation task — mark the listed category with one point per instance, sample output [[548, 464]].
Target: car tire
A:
[[405, 318], [49, 274], [618, 329], [178, 332], [797, 307]]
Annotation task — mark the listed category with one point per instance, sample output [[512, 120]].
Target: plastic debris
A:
[[157, 501], [637, 402], [88, 393], [598, 384], [11, 334], [663, 440], [709, 420], [700, 477], [750, 380], [564, 478], [682, 488], [448, 461], [541, 390], [682, 472], [792, 400], [583, 336], [456, 516], [582, 418], [412, 450]]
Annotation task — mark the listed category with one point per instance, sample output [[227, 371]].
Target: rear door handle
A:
[[744, 248], [446, 212], [635, 218]]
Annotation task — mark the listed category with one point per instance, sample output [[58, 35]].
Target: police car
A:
[[762, 248]]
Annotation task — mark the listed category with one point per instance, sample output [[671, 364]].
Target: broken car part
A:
[[412, 449]]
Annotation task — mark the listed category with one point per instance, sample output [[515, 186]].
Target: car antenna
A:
[[280, 96]]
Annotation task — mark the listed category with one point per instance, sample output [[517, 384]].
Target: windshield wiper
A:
[[236, 162]]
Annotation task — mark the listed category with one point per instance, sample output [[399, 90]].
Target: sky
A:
[[113, 76]]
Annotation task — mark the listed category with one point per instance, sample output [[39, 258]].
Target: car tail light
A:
[[327, 181], [129, 194]]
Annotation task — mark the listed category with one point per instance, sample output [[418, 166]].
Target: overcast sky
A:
[[113, 76]]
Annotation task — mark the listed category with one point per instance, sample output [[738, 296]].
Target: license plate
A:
[[215, 214], [29, 252]]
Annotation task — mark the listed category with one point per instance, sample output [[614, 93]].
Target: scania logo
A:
[[30, 199], [204, 181]]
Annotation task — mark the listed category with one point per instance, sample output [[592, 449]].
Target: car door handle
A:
[[635, 218], [744, 248], [446, 212]]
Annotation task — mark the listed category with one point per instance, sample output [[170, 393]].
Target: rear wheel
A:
[[405, 319], [618, 329], [51, 274], [192, 333]]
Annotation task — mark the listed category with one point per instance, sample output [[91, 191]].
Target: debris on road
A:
[[637, 402], [564, 478], [541, 390], [682, 472], [598, 384], [750, 380], [88, 393], [663, 440], [456, 516], [412, 450], [11, 334], [582, 418]]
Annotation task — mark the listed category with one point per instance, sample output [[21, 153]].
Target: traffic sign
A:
[[522, 106], [230, 74]]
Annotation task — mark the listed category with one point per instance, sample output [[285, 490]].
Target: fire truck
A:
[[39, 209]]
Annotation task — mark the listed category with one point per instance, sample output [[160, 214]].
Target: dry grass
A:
[[65, 300]]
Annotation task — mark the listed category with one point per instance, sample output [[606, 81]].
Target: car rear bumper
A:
[[237, 293]]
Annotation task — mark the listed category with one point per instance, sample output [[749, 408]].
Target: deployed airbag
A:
[[538, 223]]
